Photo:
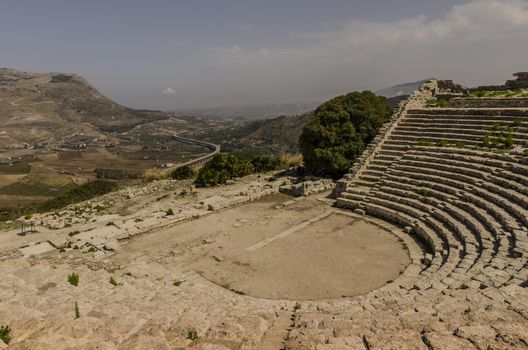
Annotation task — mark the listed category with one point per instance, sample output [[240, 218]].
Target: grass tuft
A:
[[73, 278], [5, 334]]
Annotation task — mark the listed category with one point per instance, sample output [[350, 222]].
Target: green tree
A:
[[182, 173], [223, 167], [265, 163], [340, 130]]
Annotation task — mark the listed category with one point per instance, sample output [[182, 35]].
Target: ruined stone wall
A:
[[308, 187]]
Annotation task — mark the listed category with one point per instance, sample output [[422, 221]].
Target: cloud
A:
[[474, 21], [479, 42], [169, 91]]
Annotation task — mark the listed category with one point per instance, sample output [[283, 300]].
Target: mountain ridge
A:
[[46, 107]]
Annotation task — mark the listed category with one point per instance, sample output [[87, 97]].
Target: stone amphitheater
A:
[[460, 209]]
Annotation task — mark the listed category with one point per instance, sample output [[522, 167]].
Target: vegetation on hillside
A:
[[82, 193], [79, 194], [340, 130], [224, 167]]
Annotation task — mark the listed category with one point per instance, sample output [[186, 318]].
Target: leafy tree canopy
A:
[[223, 167], [182, 173], [340, 130]]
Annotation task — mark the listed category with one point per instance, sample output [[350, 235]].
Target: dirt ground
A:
[[303, 251]]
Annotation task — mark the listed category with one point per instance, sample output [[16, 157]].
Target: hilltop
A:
[[47, 107]]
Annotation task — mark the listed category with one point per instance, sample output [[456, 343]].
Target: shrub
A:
[[169, 212], [289, 160], [153, 174], [425, 143], [265, 163], [442, 143], [297, 307], [192, 334], [73, 233], [73, 278], [340, 130], [517, 123], [183, 173], [113, 281], [486, 141], [62, 247], [5, 334], [177, 283], [508, 140], [221, 168], [441, 103]]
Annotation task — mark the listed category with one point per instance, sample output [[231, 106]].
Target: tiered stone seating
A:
[[467, 204]]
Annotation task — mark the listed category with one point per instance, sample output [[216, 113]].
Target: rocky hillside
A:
[[281, 133], [46, 108]]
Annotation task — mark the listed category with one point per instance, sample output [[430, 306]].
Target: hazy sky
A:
[[200, 53]]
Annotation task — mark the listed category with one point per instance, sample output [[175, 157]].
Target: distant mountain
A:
[[251, 112], [401, 89], [280, 133], [45, 108], [276, 134]]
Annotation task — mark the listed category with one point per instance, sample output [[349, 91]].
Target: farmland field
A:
[[39, 185], [15, 168]]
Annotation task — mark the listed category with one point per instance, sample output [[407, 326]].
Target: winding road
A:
[[197, 161]]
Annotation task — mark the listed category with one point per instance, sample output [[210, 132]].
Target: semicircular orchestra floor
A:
[[279, 248]]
